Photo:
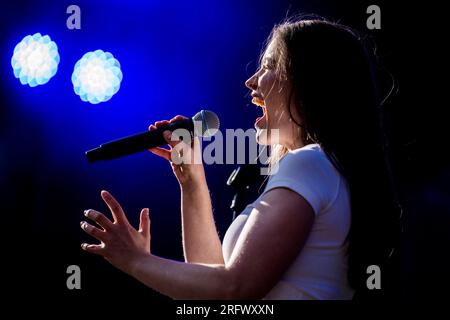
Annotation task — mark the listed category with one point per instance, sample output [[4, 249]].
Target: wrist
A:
[[136, 264], [193, 184]]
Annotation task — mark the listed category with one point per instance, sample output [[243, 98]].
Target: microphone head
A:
[[209, 123]]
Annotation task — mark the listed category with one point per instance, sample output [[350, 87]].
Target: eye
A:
[[268, 63], [264, 67], [259, 71]]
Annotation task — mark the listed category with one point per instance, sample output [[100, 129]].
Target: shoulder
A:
[[308, 151], [308, 172], [309, 159]]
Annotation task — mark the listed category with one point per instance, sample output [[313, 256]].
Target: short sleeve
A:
[[309, 173]]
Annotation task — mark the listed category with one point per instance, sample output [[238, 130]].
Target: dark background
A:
[[177, 58]]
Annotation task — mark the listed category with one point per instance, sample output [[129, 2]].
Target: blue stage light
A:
[[35, 60], [96, 76]]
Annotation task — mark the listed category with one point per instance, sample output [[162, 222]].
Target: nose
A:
[[252, 82]]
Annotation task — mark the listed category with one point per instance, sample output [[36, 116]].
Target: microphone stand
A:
[[240, 180]]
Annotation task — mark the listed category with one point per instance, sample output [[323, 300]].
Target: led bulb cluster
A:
[[35, 60], [96, 76]]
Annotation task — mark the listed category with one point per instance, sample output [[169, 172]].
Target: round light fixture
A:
[[97, 76]]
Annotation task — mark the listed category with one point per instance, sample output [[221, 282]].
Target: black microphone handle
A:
[[136, 143]]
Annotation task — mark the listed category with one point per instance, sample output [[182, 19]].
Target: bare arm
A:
[[274, 234], [201, 243]]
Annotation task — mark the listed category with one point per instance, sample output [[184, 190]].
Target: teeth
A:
[[258, 102]]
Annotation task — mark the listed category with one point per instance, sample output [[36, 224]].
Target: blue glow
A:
[[97, 76], [35, 60]]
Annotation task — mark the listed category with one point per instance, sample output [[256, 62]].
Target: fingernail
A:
[[86, 212]]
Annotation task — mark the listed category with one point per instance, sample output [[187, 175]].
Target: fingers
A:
[[168, 137], [99, 218], [172, 140], [93, 231], [161, 152], [167, 133], [161, 123], [114, 206], [144, 225], [93, 248], [164, 153], [158, 124], [178, 117]]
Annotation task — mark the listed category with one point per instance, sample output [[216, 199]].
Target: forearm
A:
[[180, 280], [201, 242]]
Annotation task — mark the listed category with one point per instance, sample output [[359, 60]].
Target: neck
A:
[[298, 141], [294, 145]]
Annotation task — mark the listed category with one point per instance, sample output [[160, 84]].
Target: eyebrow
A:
[[268, 60]]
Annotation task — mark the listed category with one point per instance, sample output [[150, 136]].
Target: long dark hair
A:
[[334, 90]]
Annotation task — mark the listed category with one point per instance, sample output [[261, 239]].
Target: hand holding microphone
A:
[[191, 170], [205, 124]]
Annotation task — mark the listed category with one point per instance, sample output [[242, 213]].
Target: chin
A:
[[262, 137]]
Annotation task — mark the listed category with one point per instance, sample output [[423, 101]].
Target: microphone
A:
[[205, 124]]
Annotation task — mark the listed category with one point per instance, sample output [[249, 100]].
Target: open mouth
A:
[[260, 103]]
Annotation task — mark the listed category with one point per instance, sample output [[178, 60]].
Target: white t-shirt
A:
[[320, 269]]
